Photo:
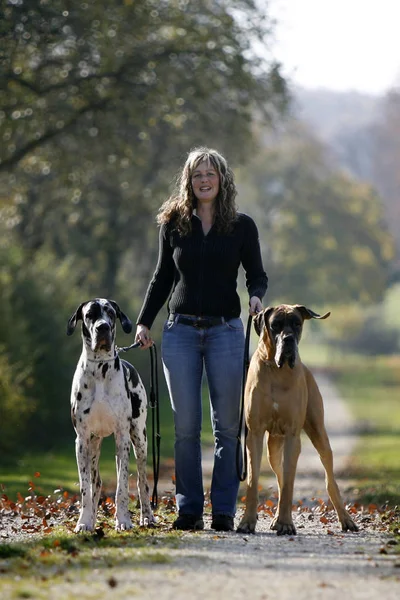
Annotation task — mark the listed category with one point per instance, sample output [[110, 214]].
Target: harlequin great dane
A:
[[282, 397], [107, 397]]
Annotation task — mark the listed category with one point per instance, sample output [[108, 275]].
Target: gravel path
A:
[[311, 565]]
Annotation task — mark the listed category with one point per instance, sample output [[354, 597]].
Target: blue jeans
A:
[[186, 350]]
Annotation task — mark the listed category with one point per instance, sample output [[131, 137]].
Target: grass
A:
[[57, 470], [372, 390], [52, 470], [36, 568], [55, 562]]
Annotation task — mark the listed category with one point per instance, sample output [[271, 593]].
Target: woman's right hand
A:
[[143, 337]]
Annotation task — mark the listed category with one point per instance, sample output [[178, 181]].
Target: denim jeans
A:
[[186, 351]]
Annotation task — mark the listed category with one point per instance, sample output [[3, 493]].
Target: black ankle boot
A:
[[222, 523], [188, 522]]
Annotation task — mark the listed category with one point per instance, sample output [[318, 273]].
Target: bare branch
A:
[[19, 154]]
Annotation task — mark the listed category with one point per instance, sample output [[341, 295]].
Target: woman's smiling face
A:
[[205, 182]]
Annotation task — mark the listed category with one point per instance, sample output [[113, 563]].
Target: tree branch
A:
[[48, 135]]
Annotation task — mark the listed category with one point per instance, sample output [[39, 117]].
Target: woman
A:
[[203, 241]]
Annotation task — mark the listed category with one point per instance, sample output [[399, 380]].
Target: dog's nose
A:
[[102, 327], [288, 338]]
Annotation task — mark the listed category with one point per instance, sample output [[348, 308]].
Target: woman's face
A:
[[205, 182]]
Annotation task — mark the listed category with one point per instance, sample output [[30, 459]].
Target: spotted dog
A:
[[107, 397], [282, 397]]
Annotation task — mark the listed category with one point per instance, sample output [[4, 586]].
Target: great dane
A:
[[282, 397], [107, 397]]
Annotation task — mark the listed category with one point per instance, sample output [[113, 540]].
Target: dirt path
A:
[[312, 565]]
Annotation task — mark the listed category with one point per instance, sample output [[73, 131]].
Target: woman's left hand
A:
[[255, 306]]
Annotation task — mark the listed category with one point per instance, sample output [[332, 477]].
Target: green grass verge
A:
[[371, 388], [59, 563]]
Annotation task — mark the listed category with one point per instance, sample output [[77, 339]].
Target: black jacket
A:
[[202, 270]]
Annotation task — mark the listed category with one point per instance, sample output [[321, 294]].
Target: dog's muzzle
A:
[[102, 338], [286, 351]]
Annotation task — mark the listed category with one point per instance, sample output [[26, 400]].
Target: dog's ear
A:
[[72, 321], [125, 322], [260, 320], [307, 313]]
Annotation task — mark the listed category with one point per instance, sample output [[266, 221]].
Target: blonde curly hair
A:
[[179, 207]]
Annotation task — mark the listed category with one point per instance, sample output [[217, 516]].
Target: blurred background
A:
[[100, 103]]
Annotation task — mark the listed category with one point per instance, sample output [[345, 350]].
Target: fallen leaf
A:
[[324, 520]]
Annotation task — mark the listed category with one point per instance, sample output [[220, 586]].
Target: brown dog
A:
[[282, 397]]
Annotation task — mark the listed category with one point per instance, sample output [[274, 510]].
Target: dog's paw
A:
[[123, 523], [283, 528], [246, 526], [147, 520], [81, 527], [348, 523]]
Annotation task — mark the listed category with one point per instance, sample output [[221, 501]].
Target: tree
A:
[[323, 233], [14, 422], [372, 153], [385, 162], [35, 300], [100, 103], [68, 64]]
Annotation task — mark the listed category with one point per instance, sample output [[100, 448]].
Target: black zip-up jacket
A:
[[202, 270]]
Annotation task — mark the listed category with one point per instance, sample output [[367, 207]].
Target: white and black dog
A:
[[107, 397]]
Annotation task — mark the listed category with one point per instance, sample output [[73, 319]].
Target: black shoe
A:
[[188, 522], [222, 523]]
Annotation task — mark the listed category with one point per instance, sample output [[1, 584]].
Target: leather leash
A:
[[155, 415], [241, 454]]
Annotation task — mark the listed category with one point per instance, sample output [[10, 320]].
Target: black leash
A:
[[241, 454], [155, 420], [155, 415]]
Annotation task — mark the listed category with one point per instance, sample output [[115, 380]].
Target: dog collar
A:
[[104, 360]]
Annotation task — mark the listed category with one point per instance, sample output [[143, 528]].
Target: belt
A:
[[199, 322]]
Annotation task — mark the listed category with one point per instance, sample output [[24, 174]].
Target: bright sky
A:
[[339, 44]]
